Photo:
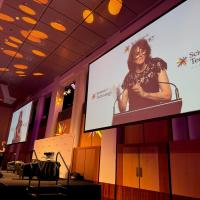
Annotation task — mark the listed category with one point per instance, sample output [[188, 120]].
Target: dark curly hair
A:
[[143, 44]]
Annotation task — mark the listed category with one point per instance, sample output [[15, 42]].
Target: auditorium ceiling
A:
[[43, 39]]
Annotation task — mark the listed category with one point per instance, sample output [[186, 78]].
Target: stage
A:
[[11, 185]]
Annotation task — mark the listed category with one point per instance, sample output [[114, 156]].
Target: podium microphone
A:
[[176, 89]]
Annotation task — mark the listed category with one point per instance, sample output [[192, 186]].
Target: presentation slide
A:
[[19, 124], [154, 73]]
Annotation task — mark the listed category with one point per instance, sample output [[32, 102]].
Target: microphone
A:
[[176, 89], [118, 96]]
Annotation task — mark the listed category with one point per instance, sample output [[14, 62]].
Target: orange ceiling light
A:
[[12, 53], [114, 7], [22, 75], [20, 66], [41, 1], [88, 16], [26, 34], [1, 28], [20, 72], [58, 26], [4, 69], [14, 39], [27, 10], [6, 18], [39, 34], [29, 20], [38, 53], [11, 44], [38, 74]]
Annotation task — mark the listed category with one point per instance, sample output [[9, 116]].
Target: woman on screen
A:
[[17, 135], [142, 85]]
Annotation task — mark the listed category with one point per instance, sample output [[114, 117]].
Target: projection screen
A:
[[152, 74]]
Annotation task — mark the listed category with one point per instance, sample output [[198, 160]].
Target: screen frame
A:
[[30, 116], [173, 7]]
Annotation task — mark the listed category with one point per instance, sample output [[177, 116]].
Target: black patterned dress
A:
[[148, 80]]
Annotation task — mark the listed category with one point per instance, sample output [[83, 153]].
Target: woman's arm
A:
[[164, 94], [122, 100]]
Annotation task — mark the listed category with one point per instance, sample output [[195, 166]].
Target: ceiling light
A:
[[114, 7], [6, 18], [22, 75], [29, 20], [38, 74], [14, 39], [20, 72], [12, 53], [17, 18], [39, 34], [39, 53], [30, 37], [27, 10], [20, 66], [11, 44], [4, 69], [41, 1], [58, 26], [88, 16], [1, 28]]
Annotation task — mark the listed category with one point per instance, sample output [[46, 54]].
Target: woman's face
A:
[[139, 55]]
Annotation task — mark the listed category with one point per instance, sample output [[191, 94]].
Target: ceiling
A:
[[60, 50]]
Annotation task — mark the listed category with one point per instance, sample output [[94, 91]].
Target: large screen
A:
[[154, 73], [19, 124]]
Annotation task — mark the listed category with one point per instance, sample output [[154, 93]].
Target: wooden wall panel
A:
[[185, 165], [133, 134], [86, 162], [107, 191], [130, 163], [78, 163], [92, 156], [150, 168]]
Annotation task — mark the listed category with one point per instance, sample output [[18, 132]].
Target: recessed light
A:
[[4, 69], [12, 53], [88, 16], [27, 10], [114, 7], [38, 74], [17, 18], [6, 17], [20, 72], [41, 1], [14, 39], [11, 44], [20, 66], [58, 26], [38, 53], [29, 20]]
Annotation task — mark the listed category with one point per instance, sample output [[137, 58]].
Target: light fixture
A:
[[20, 72], [17, 18], [29, 20], [11, 44], [38, 53], [6, 18], [4, 69], [20, 66], [26, 34], [88, 16], [58, 26], [41, 1], [114, 7], [27, 10], [14, 39], [12, 53], [22, 75], [38, 74], [39, 34]]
